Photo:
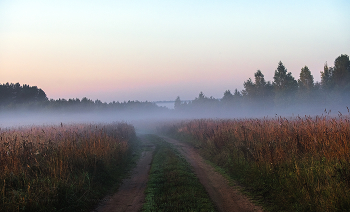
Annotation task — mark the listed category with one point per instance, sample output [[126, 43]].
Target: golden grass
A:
[[298, 164], [47, 168]]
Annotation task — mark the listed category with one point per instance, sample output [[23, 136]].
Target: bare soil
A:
[[226, 197], [131, 194]]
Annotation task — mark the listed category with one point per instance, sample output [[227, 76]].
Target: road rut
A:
[[131, 194], [226, 197]]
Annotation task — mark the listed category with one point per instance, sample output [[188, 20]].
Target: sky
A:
[[153, 50]]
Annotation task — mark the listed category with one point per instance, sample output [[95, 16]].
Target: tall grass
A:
[[298, 164], [60, 168]]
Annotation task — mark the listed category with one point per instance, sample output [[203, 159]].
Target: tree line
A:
[[284, 91], [258, 94], [14, 96]]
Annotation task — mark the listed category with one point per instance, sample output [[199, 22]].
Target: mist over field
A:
[[98, 97], [284, 96], [111, 61], [144, 118]]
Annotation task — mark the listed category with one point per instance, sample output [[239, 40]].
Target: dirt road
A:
[[226, 197], [131, 194]]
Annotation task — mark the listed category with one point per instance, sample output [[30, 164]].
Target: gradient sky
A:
[[157, 50]]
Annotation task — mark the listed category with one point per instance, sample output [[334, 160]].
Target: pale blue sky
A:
[[157, 50]]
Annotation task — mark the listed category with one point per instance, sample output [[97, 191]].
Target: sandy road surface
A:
[[226, 197], [131, 194]]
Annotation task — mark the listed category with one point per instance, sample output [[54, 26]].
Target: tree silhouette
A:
[[177, 104], [228, 97], [249, 91], [285, 86], [15, 94], [258, 94], [306, 90], [341, 72], [259, 80], [327, 81], [306, 80]]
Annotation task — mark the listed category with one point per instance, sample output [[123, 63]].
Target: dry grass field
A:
[[61, 168], [294, 164]]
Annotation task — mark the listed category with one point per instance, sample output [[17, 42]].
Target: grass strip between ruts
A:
[[172, 185]]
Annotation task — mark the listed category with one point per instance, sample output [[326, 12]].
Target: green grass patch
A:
[[172, 185]]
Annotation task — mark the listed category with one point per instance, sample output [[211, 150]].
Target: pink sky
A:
[[156, 51]]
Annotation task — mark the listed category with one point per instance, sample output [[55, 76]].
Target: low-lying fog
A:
[[143, 118]]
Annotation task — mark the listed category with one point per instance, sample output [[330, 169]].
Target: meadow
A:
[[62, 167], [288, 164]]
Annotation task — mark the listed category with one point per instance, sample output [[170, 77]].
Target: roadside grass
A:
[[286, 165], [234, 181], [63, 168], [172, 185]]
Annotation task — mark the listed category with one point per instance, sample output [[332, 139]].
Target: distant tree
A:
[[41, 96], [203, 102], [259, 80], [98, 102], [87, 101], [15, 94], [284, 81], [237, 100], [327, 82], [255, 90], [237, 94], [341, 72], [285, 86], [88, 104], [258, 95], [201, 96], [263, 89], [306, 80], [227, 100], [200, 99], [335, 81], [228, 97], [177, 104], [306, 86], [249, 91]]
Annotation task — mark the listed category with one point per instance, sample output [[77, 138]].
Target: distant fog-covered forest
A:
[[14, 96], [284, 93], [259, 96]]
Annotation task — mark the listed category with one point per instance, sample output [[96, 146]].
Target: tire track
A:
[[131, 194], [226, 197]]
